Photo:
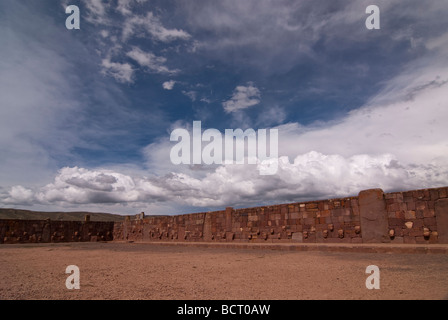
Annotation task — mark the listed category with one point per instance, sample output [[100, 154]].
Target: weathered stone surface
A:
[[207, 227], [441, 211], [229, 211], [373, 214], [367, 218]]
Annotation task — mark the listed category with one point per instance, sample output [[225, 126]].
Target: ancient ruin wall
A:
[[419, 216], [414, 217], [44, 231]]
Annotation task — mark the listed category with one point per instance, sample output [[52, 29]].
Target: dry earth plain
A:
[[147, 271]]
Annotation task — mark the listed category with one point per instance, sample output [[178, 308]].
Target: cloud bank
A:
[[396, 146]]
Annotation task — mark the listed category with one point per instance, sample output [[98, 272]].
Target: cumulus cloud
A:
[[19, 194], [83, 186], [122, 72], [410, 129], [311, 175], [169, 85], [149, 60], [243, 97]]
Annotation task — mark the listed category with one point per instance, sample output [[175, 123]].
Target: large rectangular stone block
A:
[[374, 222], [441, 211]]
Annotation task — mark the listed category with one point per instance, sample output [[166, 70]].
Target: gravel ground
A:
[[143, 271]]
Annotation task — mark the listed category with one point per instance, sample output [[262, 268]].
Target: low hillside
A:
[[61, 216]]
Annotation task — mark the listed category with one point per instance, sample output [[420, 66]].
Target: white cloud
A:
[[104, 33], [96, 11], [19, 194], [152, 26], [400, 145], [190, 94], [206, 100], [124, 6], [150, 61], [82, 186], [312, 175], [122, 72], [243, 97], [396, 141], [40, 105], [169, 85], [413, 129]]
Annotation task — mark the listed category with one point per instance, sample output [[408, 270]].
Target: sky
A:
[[86, 115]]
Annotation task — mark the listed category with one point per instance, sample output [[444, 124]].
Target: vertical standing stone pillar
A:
[[46, 231], [229, 211], [207, 230], [441, 210], [126, 222], [372, 210]]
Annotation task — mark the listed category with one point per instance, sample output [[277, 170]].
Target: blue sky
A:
[[86, 115]]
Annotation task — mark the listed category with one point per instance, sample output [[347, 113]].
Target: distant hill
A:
[[59, 216]]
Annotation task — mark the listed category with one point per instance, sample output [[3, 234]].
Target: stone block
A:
[[399, 214], [252, 217], [443, 193], [396, 222], [410, 205], [393, 207], [374, 222], [356, 240], [294, 215], [409, 214], [397, 240], [421, 240], [418, 223], [420, 205], [308, 221], [409, 240], [415, 232], [430, 221], [428, 213], [311, 206], [297, 237], [434, 194]]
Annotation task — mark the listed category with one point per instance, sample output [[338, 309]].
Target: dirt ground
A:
[[143, 271]]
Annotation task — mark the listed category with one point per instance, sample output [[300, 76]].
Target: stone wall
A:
[[372, 217], [410, 217], [43, 231], [334, 220], [413, 218]]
